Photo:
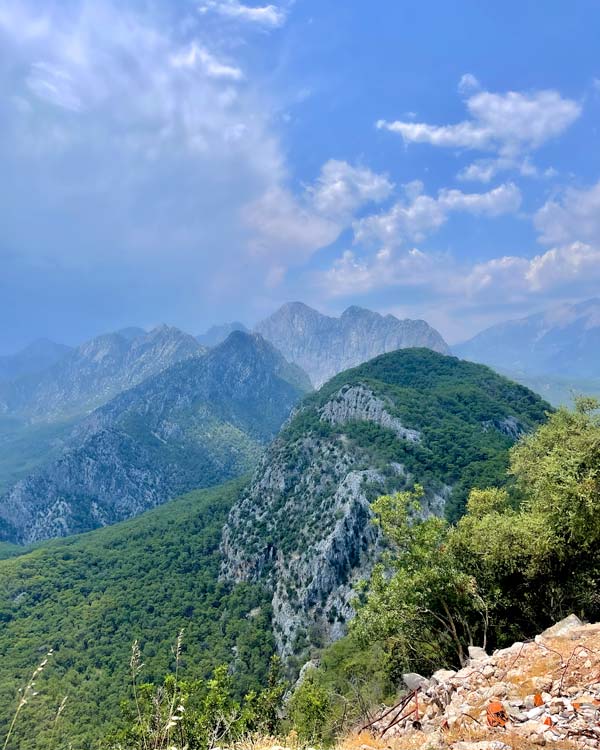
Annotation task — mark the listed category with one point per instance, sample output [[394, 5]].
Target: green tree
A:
[[311, 709], [421, 602]]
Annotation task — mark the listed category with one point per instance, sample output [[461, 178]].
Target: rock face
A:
[[323, 346], [530, 694], [304, 524], [36, 357], [94, 372], [563, 341], [198, 423]]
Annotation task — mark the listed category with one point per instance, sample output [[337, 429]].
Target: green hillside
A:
[[409, 416], [89, 597]]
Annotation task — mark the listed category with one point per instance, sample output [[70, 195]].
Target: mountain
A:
[[303, 525], [94, 372], [88, 597], [217, 334], [36, 357], [323, 346], [563, 342], [295, 537], [200, 422]]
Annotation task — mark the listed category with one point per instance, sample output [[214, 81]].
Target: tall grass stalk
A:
[[25, 694]]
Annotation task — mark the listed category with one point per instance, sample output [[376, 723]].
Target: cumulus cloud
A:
[[509, 125], [507, 279], [296, 226], [420, 215], [562, 266], [342, 188], [265, 15], [572, 217], [352, 274], [287, 228]]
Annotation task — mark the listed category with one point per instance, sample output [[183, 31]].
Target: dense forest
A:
[[89, 597]]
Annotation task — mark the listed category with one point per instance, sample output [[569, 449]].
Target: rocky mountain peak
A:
[[95, 371], [323, 345], [201, 421]]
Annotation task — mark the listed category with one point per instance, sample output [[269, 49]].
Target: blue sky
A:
[[197, 162]]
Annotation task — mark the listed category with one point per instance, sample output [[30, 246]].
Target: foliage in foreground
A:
[[197, 714], [515, 563]]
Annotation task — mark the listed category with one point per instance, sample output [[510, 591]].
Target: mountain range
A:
[[563, 341], [253, 565], [324, 346], [94, 372], [201, 421]]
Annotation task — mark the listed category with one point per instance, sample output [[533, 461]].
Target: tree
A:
[[421, 602]]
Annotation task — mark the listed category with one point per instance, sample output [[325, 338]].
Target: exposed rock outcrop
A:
[[303, 527]]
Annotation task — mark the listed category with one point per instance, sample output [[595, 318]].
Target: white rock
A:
[[562, 627], [476, 653], [442, 675]]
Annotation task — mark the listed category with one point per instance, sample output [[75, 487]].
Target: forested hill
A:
[[89, 597], [303, 526]]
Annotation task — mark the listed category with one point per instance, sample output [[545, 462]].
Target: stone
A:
[[414, 681], [562, 627], [442, 675], [481, 745], [476, 653]]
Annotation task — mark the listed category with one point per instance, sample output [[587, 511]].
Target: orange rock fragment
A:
[[496, 714]]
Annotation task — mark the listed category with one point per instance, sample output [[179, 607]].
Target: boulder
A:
[[442, 675], [476, 653], [562, 627], [414, 681]]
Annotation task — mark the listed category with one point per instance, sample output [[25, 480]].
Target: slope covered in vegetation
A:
[[303, 526], [89, 597], [519, 560]]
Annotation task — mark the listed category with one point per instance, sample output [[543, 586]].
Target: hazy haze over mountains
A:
[[37, 356], [563, 341], [95, 371]]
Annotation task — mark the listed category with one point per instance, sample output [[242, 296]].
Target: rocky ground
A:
[[543, 692]]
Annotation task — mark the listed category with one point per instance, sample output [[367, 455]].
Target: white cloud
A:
[[560, 267], [499, 281], [467, 84], [196, 56], [294, 227], [420, 215], [352, 275], [287, 229], [510, 125], [133, 123], [265, 15], [575, 216], [341, 188]]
